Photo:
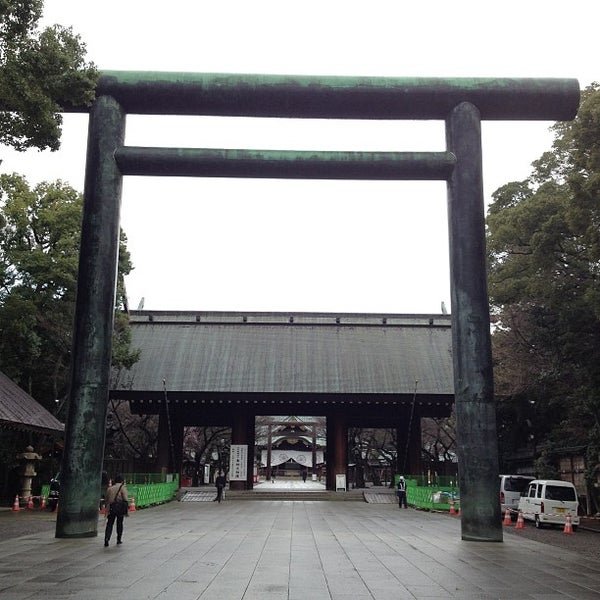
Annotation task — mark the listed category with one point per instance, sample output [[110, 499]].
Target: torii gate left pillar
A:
[[81, 468]]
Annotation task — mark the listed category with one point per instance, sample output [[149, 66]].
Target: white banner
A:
[[279, 457], [238, 462]]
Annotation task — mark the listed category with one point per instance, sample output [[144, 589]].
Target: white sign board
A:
[[238, 462], [340, 482]]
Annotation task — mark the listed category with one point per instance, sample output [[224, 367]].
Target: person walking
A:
[[117, 509], [220, 482], [402, 493]]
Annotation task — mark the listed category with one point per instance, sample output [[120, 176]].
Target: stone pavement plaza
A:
[[303, 550]]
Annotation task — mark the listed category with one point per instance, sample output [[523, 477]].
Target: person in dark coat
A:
[[220, 482]]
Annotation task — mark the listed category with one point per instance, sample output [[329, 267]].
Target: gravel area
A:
[[585, 541], [14, 524]]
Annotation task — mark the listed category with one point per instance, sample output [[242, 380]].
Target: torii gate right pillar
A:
[[471, 343]]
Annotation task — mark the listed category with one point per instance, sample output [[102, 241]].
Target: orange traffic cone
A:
[[132, 507], [102, 508], [30, 503], [458, 511], [507, 519], [520, 521], [16, 503], [43, 504], [568, 527], [452, 511]]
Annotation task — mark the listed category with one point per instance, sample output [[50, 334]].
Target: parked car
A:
[[512, 487], [549, 501]]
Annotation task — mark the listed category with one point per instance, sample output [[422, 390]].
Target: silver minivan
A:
[[549, 501], [512, 487]]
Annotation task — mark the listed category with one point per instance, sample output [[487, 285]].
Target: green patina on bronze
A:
[[471, 346], [301, 96], [462, 103], [93, 326], [287, 164]]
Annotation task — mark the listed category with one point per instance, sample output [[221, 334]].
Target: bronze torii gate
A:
[[461, 103]]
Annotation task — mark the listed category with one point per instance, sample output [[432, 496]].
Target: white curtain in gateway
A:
[[278, 457]]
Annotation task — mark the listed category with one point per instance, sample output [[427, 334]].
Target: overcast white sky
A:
[[222, 244]]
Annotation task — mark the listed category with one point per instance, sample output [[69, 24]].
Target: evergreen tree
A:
[[544, 283], [41, 72], [39, 249]]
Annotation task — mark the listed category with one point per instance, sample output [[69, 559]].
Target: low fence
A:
[[147, 478], [149, 489], [436, 495], [146, 488], [147, 494]]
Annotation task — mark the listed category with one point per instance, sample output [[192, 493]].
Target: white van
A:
[[512, 487], [549, 501]]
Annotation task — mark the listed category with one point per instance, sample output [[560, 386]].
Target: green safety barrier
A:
[[431, 497], [435, 480], [137, 478], [145, 494]]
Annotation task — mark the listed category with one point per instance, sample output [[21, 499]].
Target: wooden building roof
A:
[[299, 353], [18, 410]]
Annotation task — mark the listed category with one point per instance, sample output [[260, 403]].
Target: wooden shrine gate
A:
[[357, 370]]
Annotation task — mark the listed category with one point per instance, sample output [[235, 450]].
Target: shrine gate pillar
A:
[[337, 448], [242, 432]]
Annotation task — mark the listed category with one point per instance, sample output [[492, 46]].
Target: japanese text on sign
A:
[[238, 462]]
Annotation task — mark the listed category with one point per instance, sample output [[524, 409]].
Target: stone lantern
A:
[[28, 459]]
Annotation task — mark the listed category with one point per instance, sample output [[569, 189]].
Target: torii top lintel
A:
[[338, 97]]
